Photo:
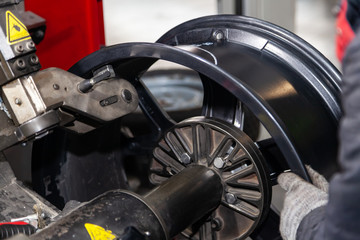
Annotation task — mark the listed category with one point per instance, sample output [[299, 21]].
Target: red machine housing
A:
[[74, 29]]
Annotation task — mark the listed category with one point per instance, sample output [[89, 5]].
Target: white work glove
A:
[[301, 198]]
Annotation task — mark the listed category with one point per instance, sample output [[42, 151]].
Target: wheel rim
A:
[[283, 51]]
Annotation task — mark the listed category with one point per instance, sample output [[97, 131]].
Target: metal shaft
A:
[[186, 197]]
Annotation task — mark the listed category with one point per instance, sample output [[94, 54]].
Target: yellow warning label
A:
[[15, 29], [98, 233]]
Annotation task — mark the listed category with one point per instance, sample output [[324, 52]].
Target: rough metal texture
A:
[[16, 200]]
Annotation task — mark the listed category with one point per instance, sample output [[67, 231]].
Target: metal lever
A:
[[101, 74]]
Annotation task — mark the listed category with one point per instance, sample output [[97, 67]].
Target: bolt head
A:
[[219, 162], [34, 60], [185, 158], [18, 101], [218, 35], [20, 64], [19, 48], [230, 198], [30, 45]]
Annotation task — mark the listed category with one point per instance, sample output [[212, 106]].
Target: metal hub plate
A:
[[235, 157]]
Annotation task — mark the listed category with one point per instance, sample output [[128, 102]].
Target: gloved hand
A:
[[301, 198]]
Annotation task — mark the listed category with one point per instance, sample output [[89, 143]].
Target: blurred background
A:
[[144, 20]]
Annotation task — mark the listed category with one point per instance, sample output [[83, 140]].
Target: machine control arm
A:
[[38, 102]]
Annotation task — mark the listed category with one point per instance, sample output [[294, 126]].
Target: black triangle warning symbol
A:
[[15, 29]]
